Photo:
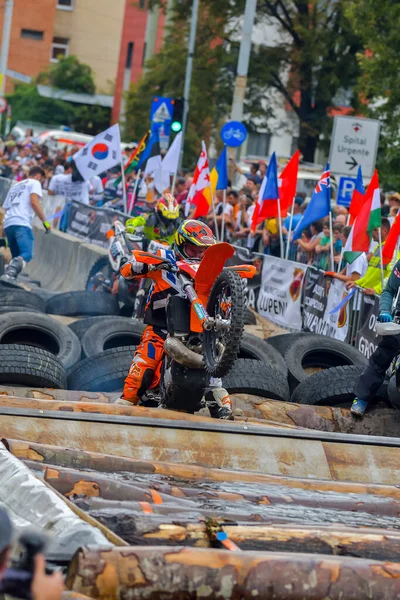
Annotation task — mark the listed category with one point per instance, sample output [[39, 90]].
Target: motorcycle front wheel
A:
[[227, 305]]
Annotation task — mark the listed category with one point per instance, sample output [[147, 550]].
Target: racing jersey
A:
[[390, 291], [164, 284], [153, 227]]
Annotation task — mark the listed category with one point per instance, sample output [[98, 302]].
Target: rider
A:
[[372, 377], [191, 241], [161, 223]]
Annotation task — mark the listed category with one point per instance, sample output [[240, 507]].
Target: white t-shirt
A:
[[97, 187], [57, 184], [18, 206], [72, 190], [360, 265]]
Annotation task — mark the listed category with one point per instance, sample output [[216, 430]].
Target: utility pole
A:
[[188, 75], [5, 45], [243, 62]]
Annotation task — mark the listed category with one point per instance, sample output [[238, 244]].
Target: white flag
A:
[[171, 159], [99, 155]]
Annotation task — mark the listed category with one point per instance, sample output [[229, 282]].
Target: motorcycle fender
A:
[[245, 271], [211, 266]]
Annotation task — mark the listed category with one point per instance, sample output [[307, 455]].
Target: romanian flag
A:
[[368, 218]]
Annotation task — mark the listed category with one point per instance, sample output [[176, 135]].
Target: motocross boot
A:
[[13, 269], [219, 403]]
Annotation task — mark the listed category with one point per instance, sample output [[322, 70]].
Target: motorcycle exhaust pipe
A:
[[182, 355]]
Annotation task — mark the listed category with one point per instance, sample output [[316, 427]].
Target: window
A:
[[142, 3], [65, 4], [59, 48], [258, 144], [144, 53], [31, 34], [129, 56]]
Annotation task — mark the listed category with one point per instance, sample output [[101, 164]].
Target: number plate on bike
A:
[[115, 249]]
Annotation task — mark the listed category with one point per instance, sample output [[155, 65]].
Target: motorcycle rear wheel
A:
[[100, 271], [220, 348]]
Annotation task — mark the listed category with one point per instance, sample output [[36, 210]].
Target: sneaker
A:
[[359, 407], [225, 414], [13, 269], [219, 403]]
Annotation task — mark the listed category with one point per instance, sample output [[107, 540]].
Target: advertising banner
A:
[[253, 285], [87, 222], [315, 302], [366, 338], [279, 297], [339, 318]]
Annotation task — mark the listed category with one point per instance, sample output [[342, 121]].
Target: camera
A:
[[17, 579]]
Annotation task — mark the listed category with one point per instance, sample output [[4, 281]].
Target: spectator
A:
[[242, 229], [296, 218], [316, 236], [271, 237], [97, 191], [252, 186], [341, 219], [181, 191], [384, 206], [356, 269], [44, 587], [263, 170], [323, 249], [253, 175], [21, 205], [303, 256]]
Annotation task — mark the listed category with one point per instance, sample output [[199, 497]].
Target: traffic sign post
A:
[[354, 142], [233, 134], [345, 191], [161, 113]]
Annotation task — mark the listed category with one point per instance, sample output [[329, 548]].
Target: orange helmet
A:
[[168, 208], [192, 239]]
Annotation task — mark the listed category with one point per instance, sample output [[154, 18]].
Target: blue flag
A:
[[320, 203], [222, 170], [271, 186], [359, 181]]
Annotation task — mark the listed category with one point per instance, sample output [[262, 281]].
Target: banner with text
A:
[[87, 222], [366, 338], [279, 298]]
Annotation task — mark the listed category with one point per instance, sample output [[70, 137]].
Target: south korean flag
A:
[[102, 153]]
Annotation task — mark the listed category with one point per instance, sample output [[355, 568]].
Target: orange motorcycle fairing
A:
[[245, 271]]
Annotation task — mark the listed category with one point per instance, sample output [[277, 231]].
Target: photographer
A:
[[44, 587]]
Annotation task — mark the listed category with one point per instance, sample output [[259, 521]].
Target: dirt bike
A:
[[204, 322], [104, 276]]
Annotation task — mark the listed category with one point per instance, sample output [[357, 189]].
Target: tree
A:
[[69, 74], [312, 60], [165, 74], [376, 23]]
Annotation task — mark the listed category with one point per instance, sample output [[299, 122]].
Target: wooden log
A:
[[72, 482], [107, 463], [58, 395], [118, 519], [158, 530], [189, 573], [383, 421]]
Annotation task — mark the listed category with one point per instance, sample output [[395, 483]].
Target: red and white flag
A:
[[201, 183]]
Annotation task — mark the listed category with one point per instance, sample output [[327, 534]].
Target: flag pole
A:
[[290, 230], [381, 257], [342, 250], [280, 226], [174, 183], [331, 240], [135, 190], [223, 217], [124, 188], [214, 213]]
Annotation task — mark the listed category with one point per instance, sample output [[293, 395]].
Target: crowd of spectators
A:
[[230, 221]]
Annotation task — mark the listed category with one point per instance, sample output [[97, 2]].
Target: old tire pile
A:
[[85, 303]]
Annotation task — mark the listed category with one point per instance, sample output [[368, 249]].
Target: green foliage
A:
[[377, 25], [69, 74], [165, 74]]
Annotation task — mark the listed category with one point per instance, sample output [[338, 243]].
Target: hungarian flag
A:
[[369, 218], [357, 198], [391, 242], [287, 183], [201, 183], [267, 203]]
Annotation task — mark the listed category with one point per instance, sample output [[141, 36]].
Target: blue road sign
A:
[[233, 133], [345, 191], [161, 113]]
